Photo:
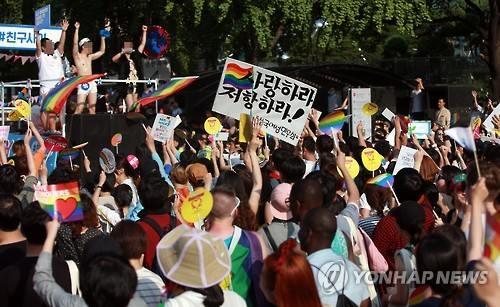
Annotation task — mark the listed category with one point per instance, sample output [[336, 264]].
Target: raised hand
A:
[[144, 28], [474, 94], [77, 25], [64, 25]]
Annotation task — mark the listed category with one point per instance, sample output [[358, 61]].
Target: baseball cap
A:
[[193, 258], [196, 172], [280, 207]]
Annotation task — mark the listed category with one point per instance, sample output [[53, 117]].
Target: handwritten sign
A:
[[360, 97], [281, 103], [370, 109], [371, 159], [212, 125], [162, 127], [221, 136], [234, 94], [388, 114], [352, 167], [406, 159], [42, 18]]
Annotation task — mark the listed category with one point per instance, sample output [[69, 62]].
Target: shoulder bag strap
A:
[[270, 238]]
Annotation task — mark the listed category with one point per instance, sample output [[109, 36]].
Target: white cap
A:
[[83, 41]]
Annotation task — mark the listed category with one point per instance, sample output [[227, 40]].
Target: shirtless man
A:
[[83, 57]]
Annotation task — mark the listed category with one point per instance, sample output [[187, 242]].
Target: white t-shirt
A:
[[194, 299], [310, 165], [50, 67], [417, 97]]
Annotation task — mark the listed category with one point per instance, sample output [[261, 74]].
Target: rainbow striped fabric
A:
[[168, 89], [57, 97], [333, 121], [492, 243], [239, 77], [384, 180]]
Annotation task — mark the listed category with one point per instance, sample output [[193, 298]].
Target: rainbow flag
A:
[[57, 97], [239, 77], [333, 121], [61, 199], [384, 180], [171, 87], [492, 236]]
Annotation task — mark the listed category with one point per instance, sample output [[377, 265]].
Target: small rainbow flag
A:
[[171, 87], [57, 97], [239, 77], [384, 180], [333, 121]]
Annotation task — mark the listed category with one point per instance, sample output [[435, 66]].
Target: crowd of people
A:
[[289, 225]]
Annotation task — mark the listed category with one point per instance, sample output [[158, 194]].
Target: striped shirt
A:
[[149, 287], [369, 224]]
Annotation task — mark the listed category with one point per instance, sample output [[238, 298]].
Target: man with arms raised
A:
[[83, 57], [50, 68]]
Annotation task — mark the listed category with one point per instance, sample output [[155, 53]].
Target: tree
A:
[[481, 20], [252, 29]]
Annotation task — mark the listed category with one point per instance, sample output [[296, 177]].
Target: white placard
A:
[[163, 127], [22, 37], [360, 97], [221, 136], [282, 103], [406, 159], [391, 137], [4, 132], [234, 94], [488, 124], [388, 114]]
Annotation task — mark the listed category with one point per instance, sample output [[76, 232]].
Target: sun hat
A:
[[193, 258], [280, 207]]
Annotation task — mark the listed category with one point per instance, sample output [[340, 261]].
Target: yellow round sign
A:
[[197, 205], [352, 167], [370, 109], [476, 123], [212, 125], [371, 159], [23, 107]]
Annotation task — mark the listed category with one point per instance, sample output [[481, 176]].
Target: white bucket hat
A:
[[193, 258]]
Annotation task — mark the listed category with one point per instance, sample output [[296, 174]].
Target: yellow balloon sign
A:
[[371, 159], [23, 110], [352, 167], [370, 109], [212, 125], [197, 205]]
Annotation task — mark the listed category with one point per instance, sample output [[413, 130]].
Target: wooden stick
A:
[[477, 164]]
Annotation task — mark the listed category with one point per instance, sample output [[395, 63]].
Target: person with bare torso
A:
[[83, 57]]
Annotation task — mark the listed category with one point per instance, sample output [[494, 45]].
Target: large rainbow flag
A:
[[492, 239], [171, 87], [57, 97], [239, 77]]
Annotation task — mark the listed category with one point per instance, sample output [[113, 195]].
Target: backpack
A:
[[155, 268]]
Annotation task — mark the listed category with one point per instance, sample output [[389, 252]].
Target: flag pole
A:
[[394, 193], [477, 164]]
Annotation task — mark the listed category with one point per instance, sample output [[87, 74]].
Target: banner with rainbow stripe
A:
[[171, 87], [57, 97]]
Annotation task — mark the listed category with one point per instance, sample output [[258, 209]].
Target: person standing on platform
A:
[[443, 115], [50, 69], [83, 57], [130, 68], [417, 105]]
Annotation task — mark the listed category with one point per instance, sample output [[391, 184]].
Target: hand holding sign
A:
[[352, 167]]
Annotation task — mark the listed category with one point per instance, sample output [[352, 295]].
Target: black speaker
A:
[[98, 129], [156, 69]]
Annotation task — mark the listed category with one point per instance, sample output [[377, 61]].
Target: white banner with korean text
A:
[[281, 103]]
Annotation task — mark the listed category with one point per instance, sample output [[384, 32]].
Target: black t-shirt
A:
[[124, 65], [16, 282], [11, 253]]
